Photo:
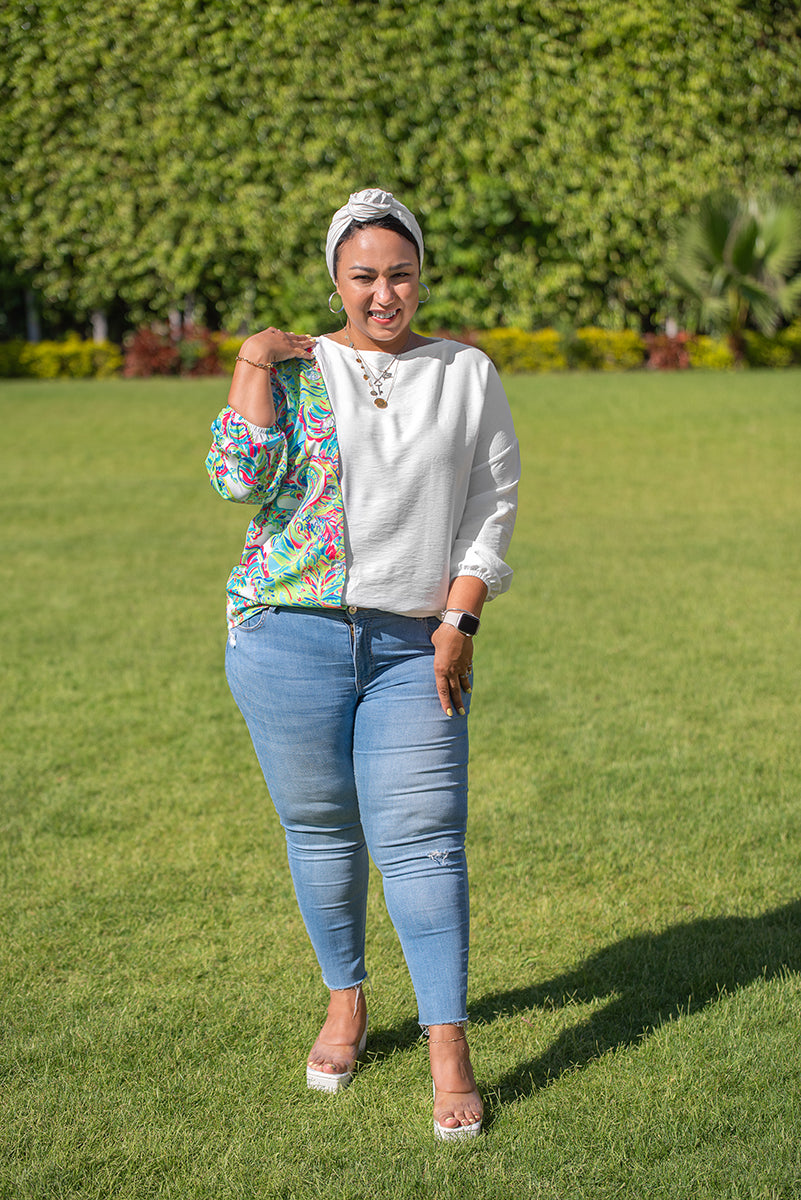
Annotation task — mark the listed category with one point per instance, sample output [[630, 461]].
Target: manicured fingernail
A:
[[461, 712], [449, 712], [468, 690]]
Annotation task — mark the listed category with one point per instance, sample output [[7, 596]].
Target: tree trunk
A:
[[174, 319], [99, 326], [33, 325]]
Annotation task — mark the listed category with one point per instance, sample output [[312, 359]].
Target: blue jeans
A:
[[359, 757]]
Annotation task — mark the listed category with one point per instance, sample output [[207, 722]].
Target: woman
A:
[[385, 468]]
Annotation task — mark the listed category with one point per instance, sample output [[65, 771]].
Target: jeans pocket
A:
[[254, 621]]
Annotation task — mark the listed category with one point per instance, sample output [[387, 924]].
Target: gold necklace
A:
[[375, 382]]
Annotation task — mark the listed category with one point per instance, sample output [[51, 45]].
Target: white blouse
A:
[[429, 484]]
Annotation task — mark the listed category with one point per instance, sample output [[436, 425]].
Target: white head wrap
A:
[[366, 206]]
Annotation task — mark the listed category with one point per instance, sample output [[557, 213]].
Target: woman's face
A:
[[378, 279]]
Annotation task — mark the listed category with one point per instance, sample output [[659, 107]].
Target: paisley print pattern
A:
[[294, 549]]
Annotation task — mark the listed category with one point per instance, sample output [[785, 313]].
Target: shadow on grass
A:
[[649, 979]]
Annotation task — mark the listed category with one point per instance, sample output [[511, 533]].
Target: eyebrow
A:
[[372, 270]]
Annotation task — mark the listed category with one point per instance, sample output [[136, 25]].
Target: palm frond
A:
[[764, 309], [716, 216], [715, 312], [734, 258], [741, 245], [789, 297], [780, 239]]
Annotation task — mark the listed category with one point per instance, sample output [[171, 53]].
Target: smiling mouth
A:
[[383, 316]]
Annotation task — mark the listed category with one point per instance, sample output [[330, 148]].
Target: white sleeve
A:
[[486, 525]]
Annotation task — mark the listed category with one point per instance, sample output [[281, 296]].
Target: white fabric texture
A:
[[429, 484], [366, 206]]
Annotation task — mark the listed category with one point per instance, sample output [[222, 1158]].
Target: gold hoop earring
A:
[[335, 310], [428, 294]]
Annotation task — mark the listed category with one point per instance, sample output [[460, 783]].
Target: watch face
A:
[[465, 622], [468, 624]]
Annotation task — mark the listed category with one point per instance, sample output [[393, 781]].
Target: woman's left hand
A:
[[453, 658]]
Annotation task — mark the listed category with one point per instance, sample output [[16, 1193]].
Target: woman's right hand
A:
[[251, 393], [273, 345]]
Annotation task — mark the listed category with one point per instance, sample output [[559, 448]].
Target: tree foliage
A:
[[188, 154], [736, 258]]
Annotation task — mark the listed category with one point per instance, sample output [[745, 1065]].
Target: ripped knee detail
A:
[[441, 857]]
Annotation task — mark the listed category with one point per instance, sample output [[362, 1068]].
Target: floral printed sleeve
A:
[[294, 550], [246, 464]]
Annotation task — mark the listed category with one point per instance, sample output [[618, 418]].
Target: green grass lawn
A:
[[634, 841]]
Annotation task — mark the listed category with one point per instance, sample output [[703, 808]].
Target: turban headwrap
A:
[[366, 206]]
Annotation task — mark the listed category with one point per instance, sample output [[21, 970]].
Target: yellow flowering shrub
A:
[[710, 354], [515, 350], [71, 358], [607, 349]]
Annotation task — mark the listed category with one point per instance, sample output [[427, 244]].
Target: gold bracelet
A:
[[251, 363]]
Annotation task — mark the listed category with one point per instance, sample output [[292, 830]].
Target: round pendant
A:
[[380, 402]]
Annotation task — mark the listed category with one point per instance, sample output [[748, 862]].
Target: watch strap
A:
[[465, 622]]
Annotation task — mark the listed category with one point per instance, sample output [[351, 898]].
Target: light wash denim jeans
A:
[[358, 756]]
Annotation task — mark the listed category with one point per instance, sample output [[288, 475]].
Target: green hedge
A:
[[710, 354], [782, 350], [606, 349], [227, 349], [512, 350], [561, 144], [70, 358], [516, 350]]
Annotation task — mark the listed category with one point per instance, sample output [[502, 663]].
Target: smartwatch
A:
[[465, 622]]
